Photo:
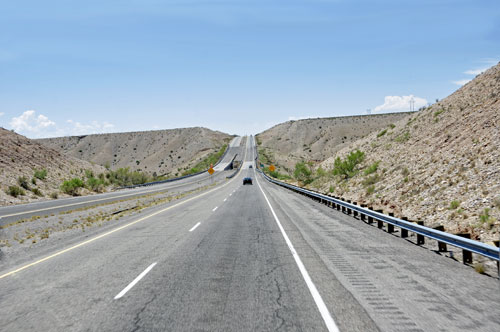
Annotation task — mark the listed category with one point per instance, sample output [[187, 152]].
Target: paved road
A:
[[16, 212], [246, 258]]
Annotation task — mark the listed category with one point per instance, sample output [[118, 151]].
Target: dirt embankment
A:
[[164, 152]]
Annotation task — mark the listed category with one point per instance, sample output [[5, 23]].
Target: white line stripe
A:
[[327, 318], [136, 280], [215, 208], [225, 199], [194, 227]]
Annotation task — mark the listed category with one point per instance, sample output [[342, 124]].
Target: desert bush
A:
[[382, 133], [40, 174], [371, 180], [348, 167], [403, 137], [15, 191], [33, 181], [37, 192], [124, 177], [23, 182], [370, 190], [454, 205], [485, 216], [71, 187], [96, 185], [372, 168], [54, 195], [303, 173], [277, 175]]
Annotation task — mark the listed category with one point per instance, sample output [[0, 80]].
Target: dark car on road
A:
[[247, 181], [250, 166]]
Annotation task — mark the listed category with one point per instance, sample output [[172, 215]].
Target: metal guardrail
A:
[[467, 245], [179, 178]]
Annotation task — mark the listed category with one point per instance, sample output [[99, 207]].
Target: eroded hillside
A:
[[21, 157], [317, 139], [161, 152]]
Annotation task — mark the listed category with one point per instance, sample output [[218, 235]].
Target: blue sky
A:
[[79, 67]]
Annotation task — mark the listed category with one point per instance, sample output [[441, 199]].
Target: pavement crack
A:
[[278, 301], [137, 318]]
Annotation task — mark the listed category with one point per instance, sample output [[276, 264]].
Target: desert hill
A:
[[317, 139], [440, 165], [164, 152], [20, 156]]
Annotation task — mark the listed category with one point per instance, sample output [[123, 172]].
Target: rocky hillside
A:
[[440, 165], [317, 139], [164, 152], [21, 157]]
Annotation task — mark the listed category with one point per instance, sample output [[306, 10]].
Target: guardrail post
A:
[[370, 218], [349, 211], [441, 245], [466, 254], [404, 232], [362, 215], [343, 209], [380, 223], [338, 207], [420, 238], [390, 227], [355, 213], [498, 263]]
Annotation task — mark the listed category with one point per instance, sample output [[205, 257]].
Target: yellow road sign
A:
[[211, 171], [272, 168]]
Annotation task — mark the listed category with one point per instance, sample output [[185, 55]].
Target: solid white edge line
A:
[[215, 208], [136, 280], [225, 199], [325, 314], [194, 227]]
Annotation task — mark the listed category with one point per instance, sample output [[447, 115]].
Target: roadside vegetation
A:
[[211, 159]]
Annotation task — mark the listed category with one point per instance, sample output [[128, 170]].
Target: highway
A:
[[243, 258], [15, 212]]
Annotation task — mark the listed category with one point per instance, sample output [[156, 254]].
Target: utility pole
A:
[[412, 104]]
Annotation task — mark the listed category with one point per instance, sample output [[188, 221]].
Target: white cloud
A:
[[39, 126], [400, 104], [475, 71], [95, 127], [2, 113], [28, 122], [462, 82]]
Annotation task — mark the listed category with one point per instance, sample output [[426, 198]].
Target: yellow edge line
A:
[[112, 231]]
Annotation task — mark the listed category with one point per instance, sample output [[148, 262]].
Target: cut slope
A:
[[164, 152], [317, 139], [442, 165], [20, 156]]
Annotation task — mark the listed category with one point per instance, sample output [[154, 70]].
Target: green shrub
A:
[[33, 181], [15, 191], [382, 133], [23, 182], [403, 137], [37, 192], [347, 168], [454, 205], [124, 177], [372, 168], [40, 174], [332, 189], [371, 180], [277, 175], [96, 185], [303, 173], [370, 190], [392, 125], [89, 173], [71, 187], [485, 216]]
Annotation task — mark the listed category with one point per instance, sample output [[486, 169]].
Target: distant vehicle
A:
[[247, 181], [250, 166]]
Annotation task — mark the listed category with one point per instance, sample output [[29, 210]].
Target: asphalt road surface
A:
[[245, 258]]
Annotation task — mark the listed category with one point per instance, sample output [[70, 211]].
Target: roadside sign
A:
[[272, 168], [211, 171]]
